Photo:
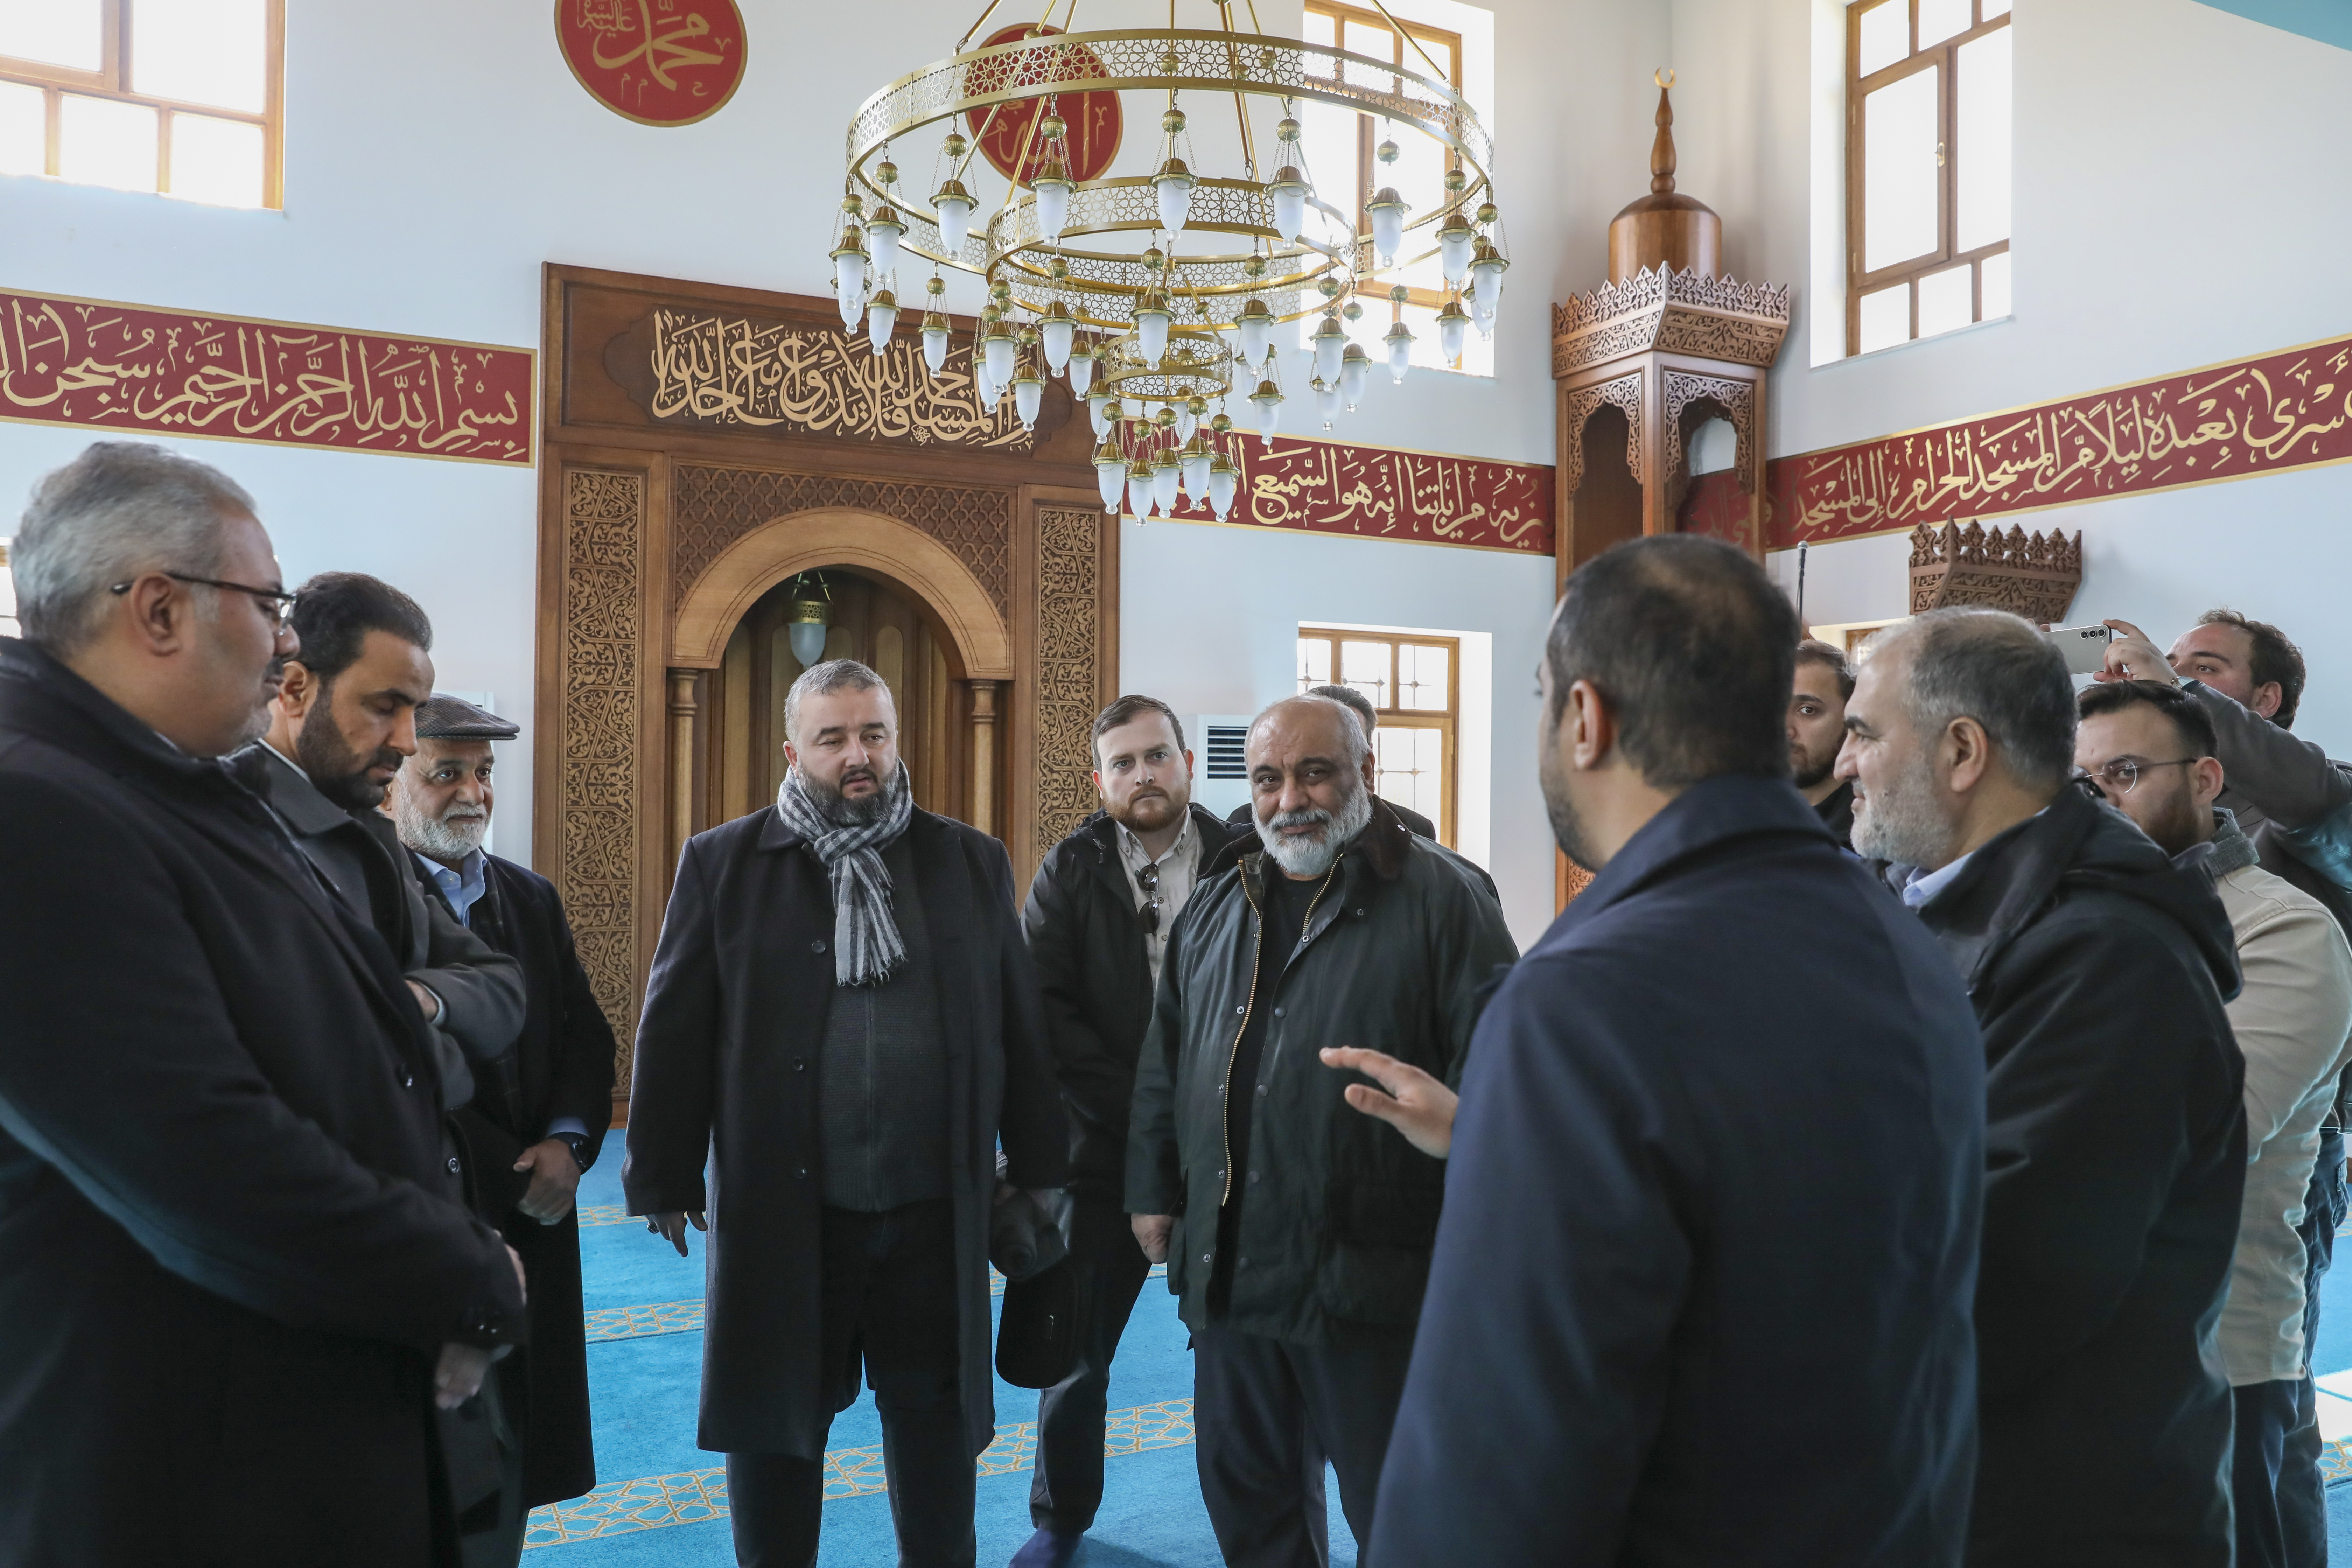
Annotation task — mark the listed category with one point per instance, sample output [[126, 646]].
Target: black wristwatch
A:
[[578, 1143]]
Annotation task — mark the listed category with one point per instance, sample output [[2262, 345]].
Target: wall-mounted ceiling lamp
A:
[[808, 616]]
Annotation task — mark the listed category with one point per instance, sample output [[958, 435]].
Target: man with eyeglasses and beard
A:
[[1297, 1231], [842, 1027], [2151, 748], [540, 1111], [1099, 913]]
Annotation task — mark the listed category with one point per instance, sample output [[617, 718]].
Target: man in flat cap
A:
[[540, 1111]]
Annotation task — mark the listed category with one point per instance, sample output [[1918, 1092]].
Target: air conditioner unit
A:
[[1219, 777]]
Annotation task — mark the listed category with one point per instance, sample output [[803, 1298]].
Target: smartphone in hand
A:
[[2085, 648]]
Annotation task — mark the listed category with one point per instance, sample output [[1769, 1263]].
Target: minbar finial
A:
[[1662, 151]]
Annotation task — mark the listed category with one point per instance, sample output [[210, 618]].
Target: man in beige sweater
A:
[[2150, 749]]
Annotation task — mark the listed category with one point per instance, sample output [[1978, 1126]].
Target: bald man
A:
[[1297, 1231]]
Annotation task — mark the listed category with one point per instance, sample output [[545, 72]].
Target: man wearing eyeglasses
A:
[[1097, 920], [2150, 749], [237, 1274]]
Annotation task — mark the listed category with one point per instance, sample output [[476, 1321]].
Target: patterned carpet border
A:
[[2336, 1462], [693, 1496]]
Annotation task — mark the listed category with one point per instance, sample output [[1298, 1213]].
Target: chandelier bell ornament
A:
[[1330, 342], [999, 350], [1195, 460], [1098, 402], [1223, 478], [1167, 476], [882, 231], [1355, 367], [1028, 395], [1174, 185], [936, 332], [1152, 318], [1054, 334], [1265, 403], [1327, 402], [849, 266], [954, 205], [1451, 322], [1080, 368], [1139, 490], [1110, 475], [1387, 210], [1255, 327], [881, 319]]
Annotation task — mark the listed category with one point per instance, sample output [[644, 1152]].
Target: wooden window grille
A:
[[1928, 168], [183, 98]]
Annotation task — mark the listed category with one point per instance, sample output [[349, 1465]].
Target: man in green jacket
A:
[[1296, 1231]]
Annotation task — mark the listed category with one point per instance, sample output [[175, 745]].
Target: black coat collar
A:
[[1710, 813], [1381, 847]]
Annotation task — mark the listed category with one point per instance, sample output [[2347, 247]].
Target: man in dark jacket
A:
[[231, 1252], [344, 716], [1099, 913], [2115, 1141], [843, 1024], [1817, 733], [2295, 802], [1701, 1292], [539, 1113], [1244, 817], [1297, 1232]]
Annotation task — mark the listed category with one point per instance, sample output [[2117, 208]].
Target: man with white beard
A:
[[2114, 1144], [1297, 1231], [540, 1111]]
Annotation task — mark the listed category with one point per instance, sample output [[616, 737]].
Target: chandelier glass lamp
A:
[[1154, 283]]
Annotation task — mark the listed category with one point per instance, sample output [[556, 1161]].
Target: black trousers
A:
[[2265, 1413], [888, 1300], [2302, 1495], [1065, 1485], [1266, 1415]]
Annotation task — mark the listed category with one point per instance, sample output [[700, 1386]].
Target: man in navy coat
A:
[[1702, 1287]]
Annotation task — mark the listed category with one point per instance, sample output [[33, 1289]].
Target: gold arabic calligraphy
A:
[[714, 370], [67, 361], [2226, 424], [662, 52], [1359, 490]]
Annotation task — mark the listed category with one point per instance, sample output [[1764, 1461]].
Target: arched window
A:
[[1928, 168], [177, 97]]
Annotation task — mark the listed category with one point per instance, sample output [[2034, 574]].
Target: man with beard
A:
[[2150, 748], [540, 1111], [1817, 730], [1099, 913], [1297, 1232], [238, 1277], [843, 1025], [1701, 1291], [2114, 1145], [344, 716]]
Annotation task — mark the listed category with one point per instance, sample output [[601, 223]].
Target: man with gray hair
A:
[[1297, 1231], [843, 1026], [235, 1265], [2114, 1144]]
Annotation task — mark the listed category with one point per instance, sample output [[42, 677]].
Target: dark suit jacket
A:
[[2115, 1163], [229, 1247], [562, 1066], [359, 852], [726, 1053], [1089, 943], [1702, 1287]]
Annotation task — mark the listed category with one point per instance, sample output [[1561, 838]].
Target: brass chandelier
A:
[[1156, 295]]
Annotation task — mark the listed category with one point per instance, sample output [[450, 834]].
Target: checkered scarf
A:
[[867, 949]]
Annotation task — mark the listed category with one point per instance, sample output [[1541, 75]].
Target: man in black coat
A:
[[1817, 733], [539, 1113], [1099, 912], [2114, 1137], [1298, 1233], [1702, 1285], [230, 1252], [842, 1024]]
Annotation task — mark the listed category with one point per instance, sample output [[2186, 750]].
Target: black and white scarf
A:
[[867, 949]]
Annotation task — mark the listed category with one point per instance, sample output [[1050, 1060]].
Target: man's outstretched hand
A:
[[670, 1226], [2133, 656], [1417, 1105]]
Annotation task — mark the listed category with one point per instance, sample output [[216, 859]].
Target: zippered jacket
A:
[[1340, 1211]]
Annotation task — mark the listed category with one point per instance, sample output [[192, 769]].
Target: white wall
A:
[[2178, 203], [426, 186], [1228, 643]]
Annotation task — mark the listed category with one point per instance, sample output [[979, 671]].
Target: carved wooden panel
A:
[[1675, 312], [602, 639], [1625, 393], [711, 508], [2030, 574], [1068, 681], [1680, 389]]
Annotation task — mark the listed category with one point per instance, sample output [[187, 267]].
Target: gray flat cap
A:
[[442, 717]]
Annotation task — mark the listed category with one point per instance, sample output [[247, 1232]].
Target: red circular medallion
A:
[[657, 62], [1093, 117]]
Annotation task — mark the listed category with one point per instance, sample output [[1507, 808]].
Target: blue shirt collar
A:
[[463, 887]]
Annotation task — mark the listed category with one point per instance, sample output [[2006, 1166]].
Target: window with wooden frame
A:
[[1928, 168], [1414, 685], [182, 98], [1342, 157]]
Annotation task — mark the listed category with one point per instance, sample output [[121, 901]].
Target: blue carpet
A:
[[660, 1500]]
